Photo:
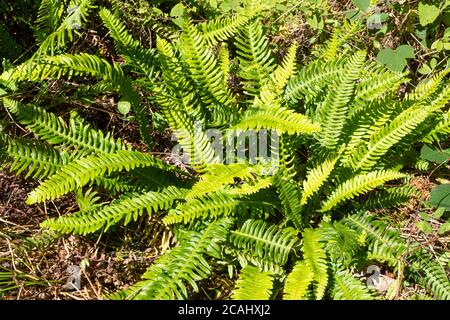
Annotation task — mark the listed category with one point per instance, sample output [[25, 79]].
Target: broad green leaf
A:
[[439, 213], [428, 13], [424, 226], [124, 107], [444, 228], [362, 5], [177, 10], [406, 51], [440, 196], [432, 154], [391, 59]]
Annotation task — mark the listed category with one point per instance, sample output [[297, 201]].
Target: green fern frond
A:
[[69, 65], [84, 64], [77, 134], [204, 68], [298, 282], [48, 18], [217, 176], [287, 188], [313, 79], [377, 85], [386, 244], [341, 241], [215, 205], [382, 140], [339, 37], [256, 62], [208, 206], [333, 113], [265, 241], [428, 87], [359, 184], [431, 275], [37, 159], [441, 131], [126, 209], [284, 71], [77, 13], [316, 178], [347, 287], [276, 118], [39, 241], [253, 285], [224, 61], [364, 122], [169, 276], [80, 172], [251, 187], [222, 29], [135, 54], [315, 258], [391, 197]]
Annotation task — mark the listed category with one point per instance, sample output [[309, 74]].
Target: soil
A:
[[109, 264]]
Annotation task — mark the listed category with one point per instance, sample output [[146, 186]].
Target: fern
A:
[[222, 29], [255, 58], [298, 281], [77, 134], [211, 206], [287, 188], [135, 55], [38, 160], [48, 18], [385, 242], [203, 66], [391, 197], [78, 173], [184, 265], [334, 110], [341, 242], [218, 175], [434, 276], [126, 208], [390, 134], [264, 241], [276, 118], [339, 131], [316, 177], [359, 184], [312, 79], [347, 287], [253, 285], [315, 258]]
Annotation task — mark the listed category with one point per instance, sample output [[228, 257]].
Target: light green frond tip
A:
[[298, 281], [347, 287], [358, 185], [280, 119], [316, 178], [253, 285], [219, 175], [315, 258]]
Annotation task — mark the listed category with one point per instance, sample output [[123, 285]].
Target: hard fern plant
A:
[[291, 221]]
